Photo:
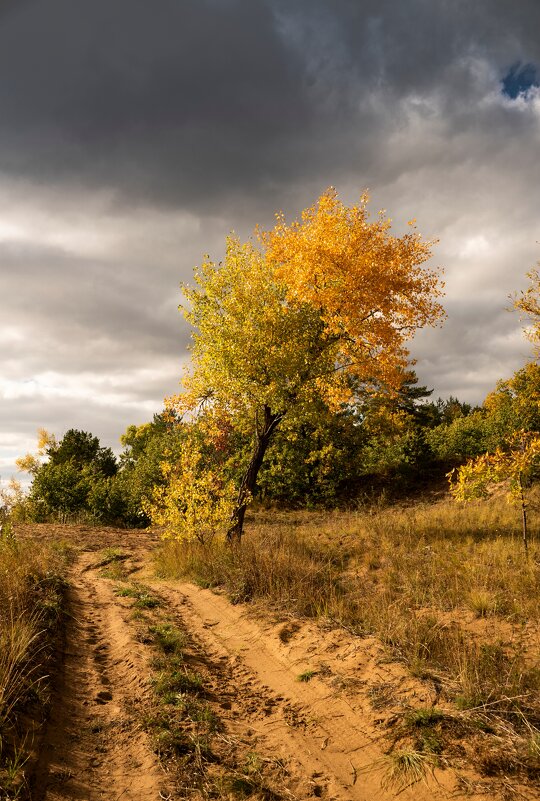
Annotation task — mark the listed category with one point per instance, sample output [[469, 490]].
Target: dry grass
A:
[[30, 607], [446, 587]]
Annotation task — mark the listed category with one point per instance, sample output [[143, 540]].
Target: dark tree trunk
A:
[[249, 479]]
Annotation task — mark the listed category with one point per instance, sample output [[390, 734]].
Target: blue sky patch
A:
[[519, 78]]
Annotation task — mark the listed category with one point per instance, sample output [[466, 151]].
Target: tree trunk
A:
[[249, 479]]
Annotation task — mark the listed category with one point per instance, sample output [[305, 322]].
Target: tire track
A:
[[329, 745], [94, 748]]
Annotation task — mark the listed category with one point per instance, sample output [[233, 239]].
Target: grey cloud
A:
[[118, 115], [200, 102]]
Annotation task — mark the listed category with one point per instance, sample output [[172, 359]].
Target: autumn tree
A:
[[512, 422], [511, 466], [528, 303], [318, 309]]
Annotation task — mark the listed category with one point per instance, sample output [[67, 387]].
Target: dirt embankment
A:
[[304, 710]]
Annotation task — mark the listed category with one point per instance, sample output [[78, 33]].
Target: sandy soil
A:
[[328, 733], [94, 746]]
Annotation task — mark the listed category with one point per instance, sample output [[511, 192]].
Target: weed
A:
[[109, 555], [200, 712], [405, 767], [425, 716], [146, 601], [126, 592], [306, 676], [168, 638], [483, 602], [142, 595], [170, 685]]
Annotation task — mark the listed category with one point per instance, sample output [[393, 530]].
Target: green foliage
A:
[[82, 450], [313, 457], [461, 438], [78, 480], [146, 447]]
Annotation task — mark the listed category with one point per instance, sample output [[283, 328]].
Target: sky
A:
[[134, 136]]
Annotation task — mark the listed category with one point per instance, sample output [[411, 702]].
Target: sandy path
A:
[[94, 748], [320, 739], [320, 733]]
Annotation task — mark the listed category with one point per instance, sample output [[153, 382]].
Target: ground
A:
[[168, 690]]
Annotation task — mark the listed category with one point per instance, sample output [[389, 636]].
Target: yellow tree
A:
[[316, 309], [528, 302], [515, 401], [511, 466]]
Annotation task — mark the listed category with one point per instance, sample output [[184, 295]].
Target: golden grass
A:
[[446, 587], [30, 605]]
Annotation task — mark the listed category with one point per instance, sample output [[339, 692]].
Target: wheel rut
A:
[[94, 746]]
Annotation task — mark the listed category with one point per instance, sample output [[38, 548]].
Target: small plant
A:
[[483, 602], [170, 685], [126, 592], [306, 676], [146, 601], [425, 716], [109, 555], [200, 712], [143, 597], [168, 638], [405, 767]]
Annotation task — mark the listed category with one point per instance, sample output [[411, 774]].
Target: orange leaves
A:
[[370, 287], [327, 304]]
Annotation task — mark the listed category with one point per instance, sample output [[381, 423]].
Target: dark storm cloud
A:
[[198, 102], [135, 135], [177, 101]]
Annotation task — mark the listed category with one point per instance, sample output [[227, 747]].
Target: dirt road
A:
[[94, 745], [297, 712]]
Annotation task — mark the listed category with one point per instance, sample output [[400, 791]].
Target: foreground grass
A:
[[31, 592], [446, 587]]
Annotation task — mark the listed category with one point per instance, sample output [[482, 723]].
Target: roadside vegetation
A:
[[32, 585], [445, 587]]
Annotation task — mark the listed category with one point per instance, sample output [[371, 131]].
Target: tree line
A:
[[300, 390]]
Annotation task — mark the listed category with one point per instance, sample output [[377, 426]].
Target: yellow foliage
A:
[[30, 463], [528, 302], [509, 466], [333, 297], [45, 440], [197, 501]]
